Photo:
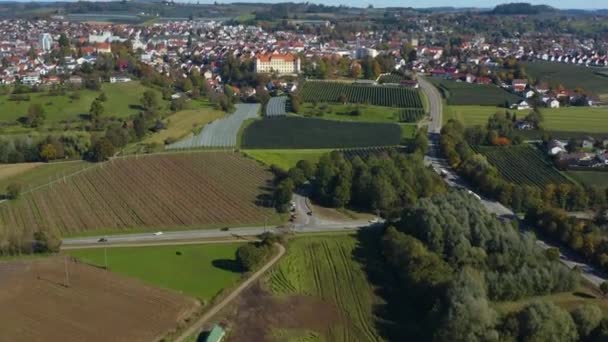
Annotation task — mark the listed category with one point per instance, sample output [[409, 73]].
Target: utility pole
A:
[[67, 273]]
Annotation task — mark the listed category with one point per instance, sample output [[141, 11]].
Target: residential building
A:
[[279, 63], [216, 334], [46, 42]]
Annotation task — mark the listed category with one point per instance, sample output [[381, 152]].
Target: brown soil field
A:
[[96, 306], [156, 191], [257, 314], [10, 170]]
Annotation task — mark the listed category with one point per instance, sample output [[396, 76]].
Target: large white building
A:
[[362, 52], [46, 42], [279, 63]]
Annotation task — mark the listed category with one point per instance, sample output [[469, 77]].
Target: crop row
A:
[[522, 165], [154, 191], [390, 96], [364, 153], [276, 106], [297, 132]]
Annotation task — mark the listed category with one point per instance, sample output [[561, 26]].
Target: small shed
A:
[[216, 334]]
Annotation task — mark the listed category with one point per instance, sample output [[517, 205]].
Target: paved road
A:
[[435, 159], [198, 325], [435, 105]]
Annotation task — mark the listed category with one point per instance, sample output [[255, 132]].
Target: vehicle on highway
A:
[[103, 239], [474, 194], [443, 172], [158, 233], [374, 220], [225, 229]]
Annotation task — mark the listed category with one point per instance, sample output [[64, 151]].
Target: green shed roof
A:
[[216, 334]]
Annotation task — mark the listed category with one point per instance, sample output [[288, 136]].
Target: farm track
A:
[[221, 133], [197, 326]]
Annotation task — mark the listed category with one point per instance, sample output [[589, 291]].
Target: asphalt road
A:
[[435, 159], [435, 105]]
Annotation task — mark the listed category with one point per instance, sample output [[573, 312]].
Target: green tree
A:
[[13, 190], [604, 288], [149, 101], [283, 194], [251, 255], [101, 150], [48, 152], [35, 115], [544, 321], [96, 110], [45, 242], [586, 317]]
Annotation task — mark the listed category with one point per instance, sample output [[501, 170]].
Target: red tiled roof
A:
[[268, 57]]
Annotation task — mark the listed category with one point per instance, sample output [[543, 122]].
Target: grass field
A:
[[570, 76], [305, 133], [584, 294], [43, 173], [523, 164], [408, 131], [123, 101], [12, 170], [286, 159], [576, 119], [596, 179], [325, 267], [201, 271], [342, 112], [462, 93], [469, 115], [168, 191], [185, 122]]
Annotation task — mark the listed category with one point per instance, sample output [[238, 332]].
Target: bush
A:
[[13, 191], [251, 255]]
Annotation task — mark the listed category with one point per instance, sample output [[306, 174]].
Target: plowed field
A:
[[96, 306], [171, 190]]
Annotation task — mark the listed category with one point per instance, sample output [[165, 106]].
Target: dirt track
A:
[[196, 327], [96, 306]]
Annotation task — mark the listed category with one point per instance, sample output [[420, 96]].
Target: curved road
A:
[[198, 325], [434, 158]]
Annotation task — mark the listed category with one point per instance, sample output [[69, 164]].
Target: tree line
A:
[[453, 259]]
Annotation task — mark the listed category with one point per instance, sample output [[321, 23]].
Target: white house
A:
[[523, 105], [529, 94], [119, 79], [553, 103]]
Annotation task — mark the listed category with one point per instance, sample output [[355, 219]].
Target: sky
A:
[[562, 4]]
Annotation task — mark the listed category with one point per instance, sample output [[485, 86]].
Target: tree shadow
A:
[[227, 265], [85, 117], [136, 107], [395, 316], [584, 295]]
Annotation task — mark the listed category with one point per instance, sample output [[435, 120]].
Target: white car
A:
[[374, 220], [158, 233]]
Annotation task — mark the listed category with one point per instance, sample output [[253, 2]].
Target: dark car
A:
[[225, 229], [102, 240]]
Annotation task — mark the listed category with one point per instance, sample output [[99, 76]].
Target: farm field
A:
[[220, 133], [470, 115], [286, 159], [576, 119], [570, 76], [462, 93], [368, 113], [185, 122], [524, 165], [123, 101], [12, 170], [96, 306], [305, 133], [324, 267], [32, 175], [178, 190], [390, 96], [201, 271], [276, 106], [596, 179]]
